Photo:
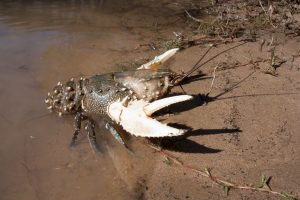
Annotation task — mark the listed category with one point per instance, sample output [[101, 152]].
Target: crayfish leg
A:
[[77, 125], [116, 135], [90, 128]]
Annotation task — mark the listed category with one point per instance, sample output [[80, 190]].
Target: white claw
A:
[[158, 60], [159, 104], [135, 117]]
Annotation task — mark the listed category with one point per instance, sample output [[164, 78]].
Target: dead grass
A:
[[234, 19]]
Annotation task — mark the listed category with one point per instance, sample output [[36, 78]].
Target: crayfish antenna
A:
[[196, 66], [178, 80]]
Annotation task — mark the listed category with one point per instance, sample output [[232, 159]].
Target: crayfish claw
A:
[[136, 117]]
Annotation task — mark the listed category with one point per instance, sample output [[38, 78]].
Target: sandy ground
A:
[[249, 127]]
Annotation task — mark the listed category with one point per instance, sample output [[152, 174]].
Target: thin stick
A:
[[218, 181], [193, 18], [212, 82], [266, 13]]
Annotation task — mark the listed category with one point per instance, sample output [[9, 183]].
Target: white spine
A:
[[158, 60]]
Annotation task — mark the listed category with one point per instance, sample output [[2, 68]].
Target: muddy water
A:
[[42, 42]]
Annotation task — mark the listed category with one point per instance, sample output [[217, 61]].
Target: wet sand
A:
[[42, 43]]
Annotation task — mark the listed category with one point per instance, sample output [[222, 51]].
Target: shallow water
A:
[[42, 42]]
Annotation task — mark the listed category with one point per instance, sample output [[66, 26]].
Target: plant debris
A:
[[234, 19]]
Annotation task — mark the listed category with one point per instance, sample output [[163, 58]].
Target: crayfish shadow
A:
[[183, 144]]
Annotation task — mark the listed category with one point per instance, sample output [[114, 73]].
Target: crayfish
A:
[[126, 99]]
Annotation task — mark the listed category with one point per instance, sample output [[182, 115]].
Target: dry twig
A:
[[264, 187], [212, 82]]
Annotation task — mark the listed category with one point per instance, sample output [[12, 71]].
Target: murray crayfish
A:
[[126, 99]]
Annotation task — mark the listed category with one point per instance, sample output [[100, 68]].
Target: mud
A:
[[249, 128]]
